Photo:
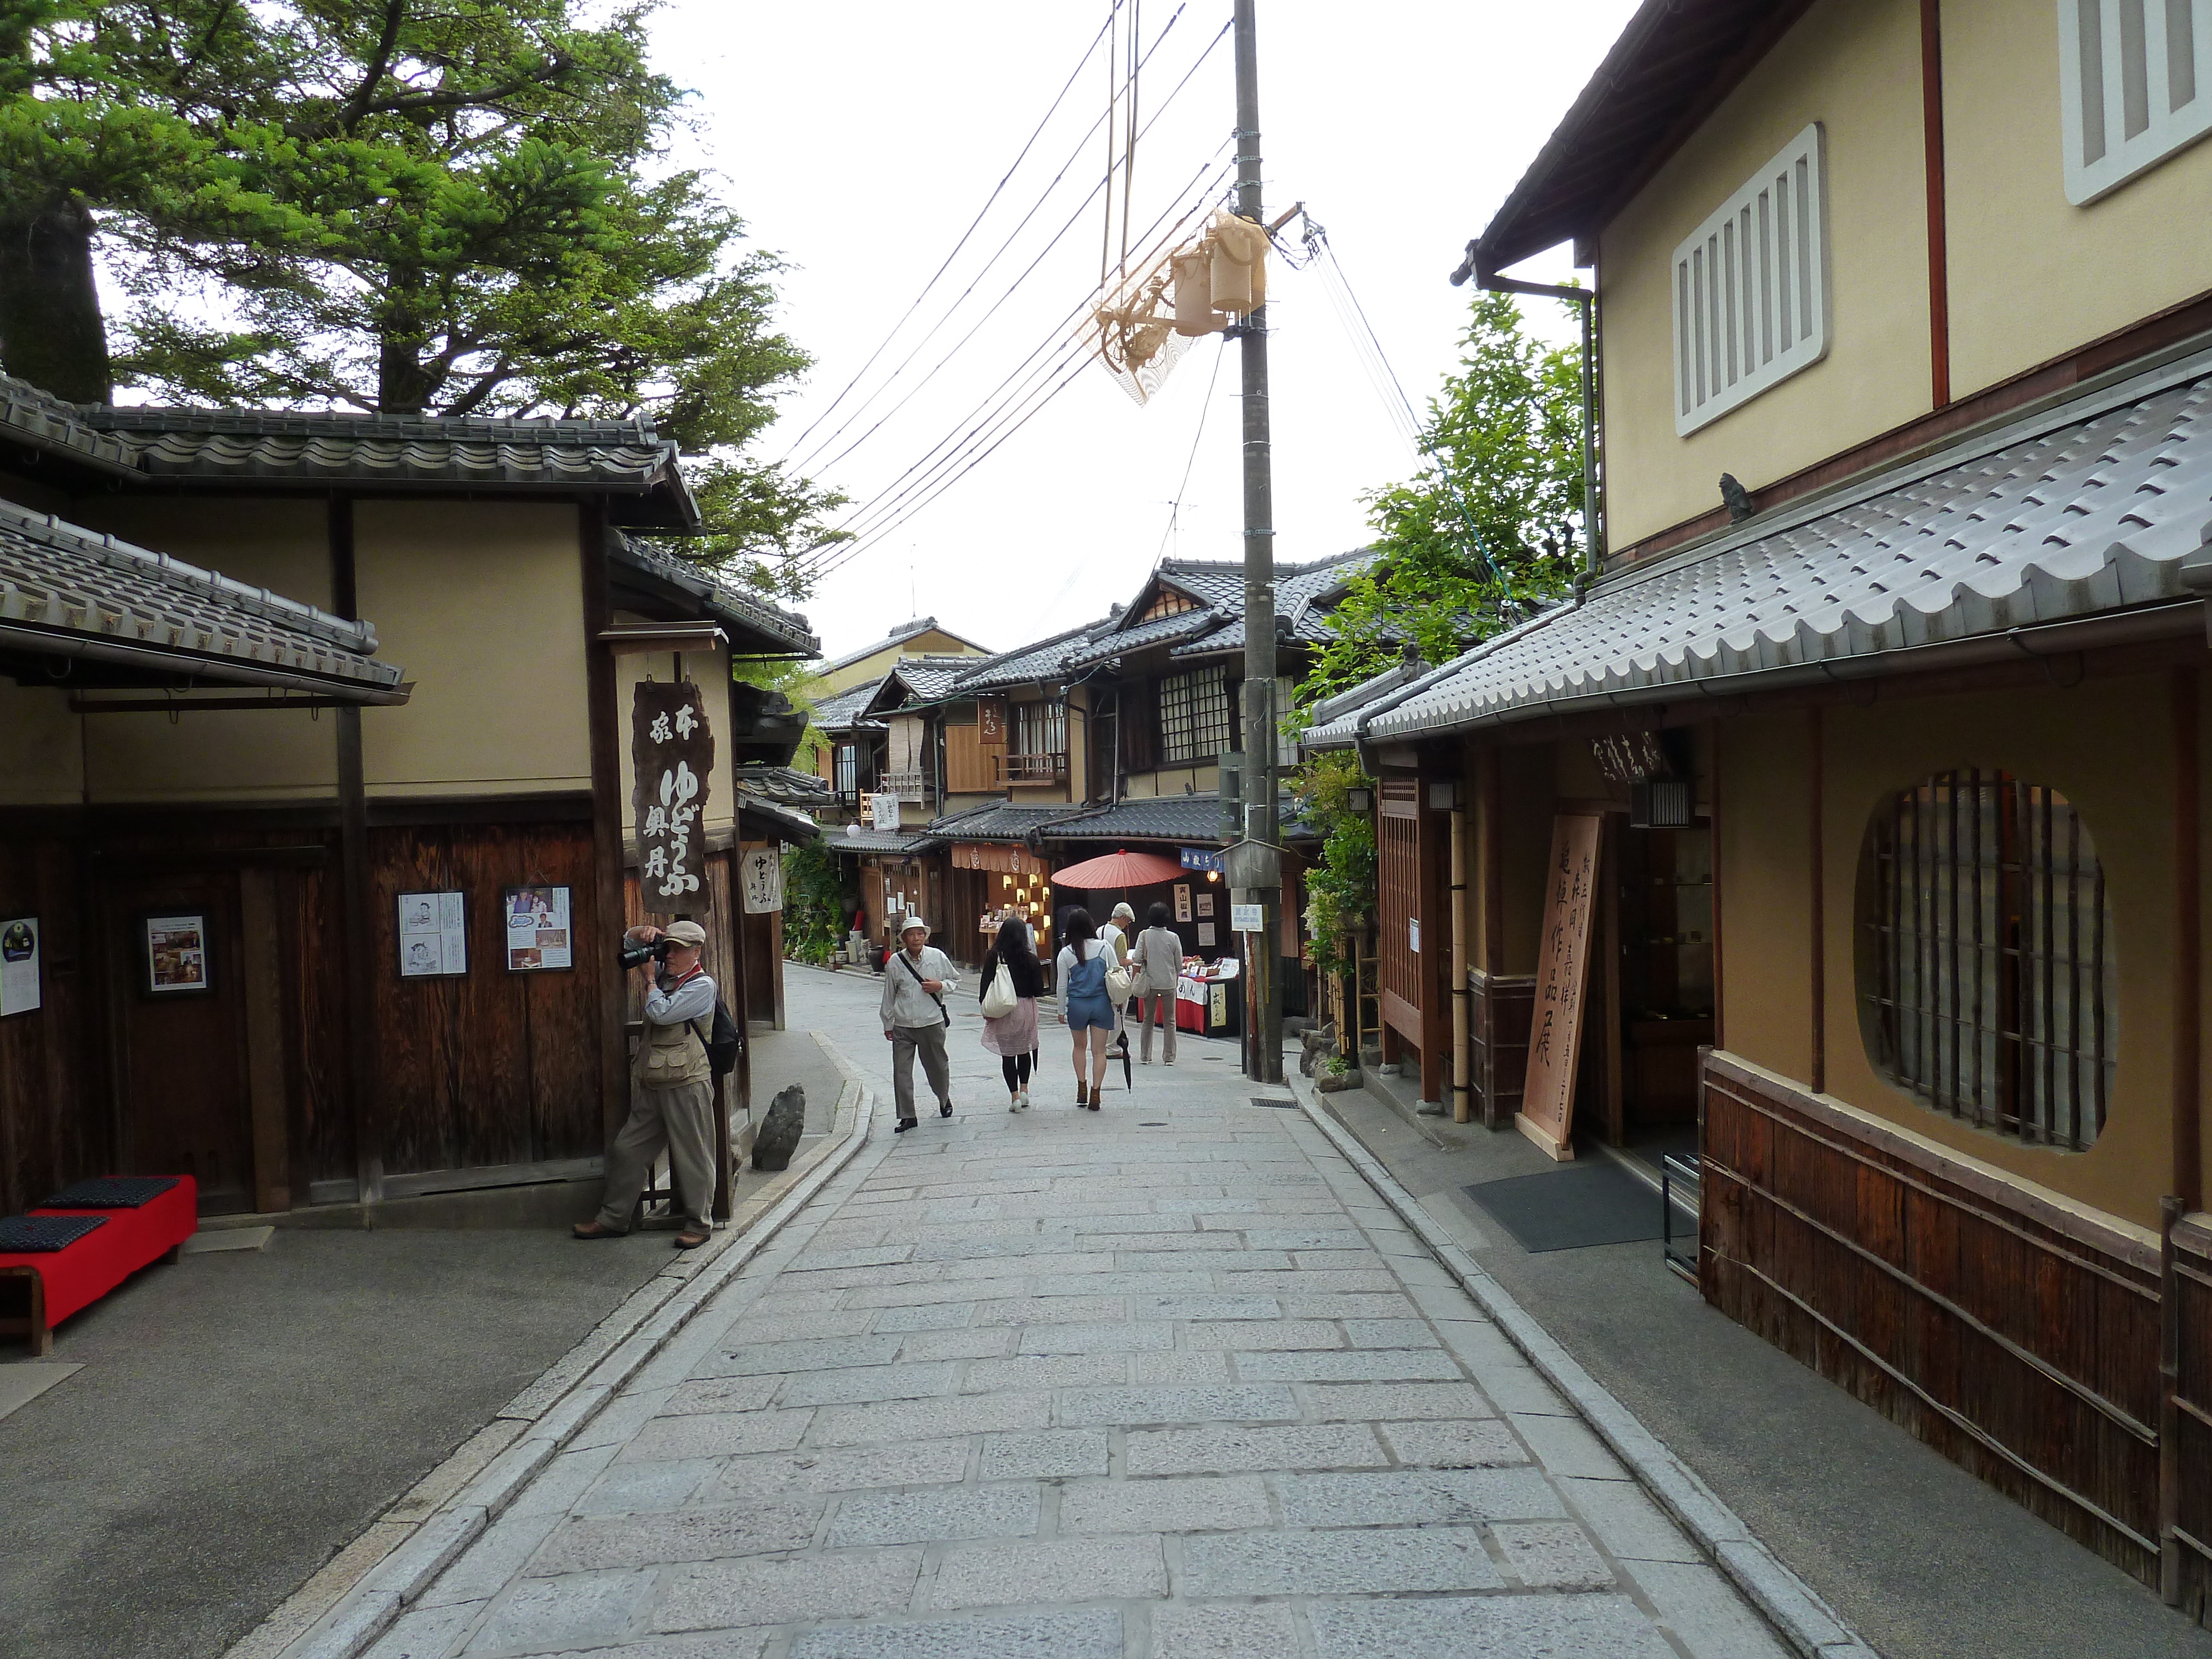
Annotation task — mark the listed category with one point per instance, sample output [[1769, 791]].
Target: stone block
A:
[[1207, 1307], [1250, 1404], [1258, 1336], [864, 1383], [1454, 1444], [1227, 1448], [1085, 1633], [1049, 1570], [1042, 1370], [716, 1434], [1024, 1309], [720, 1394], [546, 1615], [1265, 1630], [1044, 1454], [596, 1542], [1391, 1333], [1487, 1627], [1552, 1555], [427, 1633], [925, 1419], [777, 1138], [1566, 1446], [1351, 1365], [818, 1259], [793, 1327], [1405, 1498], [1203, 1504], [916, 1463], [759, 1590], [487, 1565], [641, 1488], [1178, 1368], [1306, 1238], [1355, 1563], [1399, 1402], [959, 1343], [1348, 1304], [1112, 1339], [774, 1358], [945, 1512], [931, 1316], [1622, 1517]]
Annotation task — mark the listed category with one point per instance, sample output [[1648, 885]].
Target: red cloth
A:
[[79, 1275], [1190, 1016]]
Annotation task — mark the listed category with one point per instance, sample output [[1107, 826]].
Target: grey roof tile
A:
[[75, 585], [1003, 821], [2090, 507], [42, 422], [844, 710], [1195, 820], [743, 612]]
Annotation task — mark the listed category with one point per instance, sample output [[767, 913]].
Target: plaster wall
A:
[[40, 756], [2032, 276], [1761, 861], [483, 603], [1853, 65]]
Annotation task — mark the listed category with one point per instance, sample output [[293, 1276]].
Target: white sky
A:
[[859, 140]]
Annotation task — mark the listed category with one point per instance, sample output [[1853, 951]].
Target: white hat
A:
[[911, 924]]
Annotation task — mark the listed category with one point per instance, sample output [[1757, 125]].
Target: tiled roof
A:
[[1303, 596], [2086, 508], [903, 631], [209, 446], [929, 678], [1002, 821], [842, 713], [753, 621], [855, 839], [40, 421], [786, 785], [789, 823], [1193, 820], [63, 589], [1044, 660]]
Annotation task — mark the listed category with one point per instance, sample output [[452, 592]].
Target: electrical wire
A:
[[810, 458], [973, 226], [1174, 508]]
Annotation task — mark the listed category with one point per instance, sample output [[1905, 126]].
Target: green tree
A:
[[448, 207], [814, 903], [1489, 526]]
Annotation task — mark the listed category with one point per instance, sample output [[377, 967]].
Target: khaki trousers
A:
[[930, 1040], [679, 1121], [1162, 1004]]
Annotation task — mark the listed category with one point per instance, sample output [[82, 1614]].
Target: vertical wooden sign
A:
[[1555, 1034], [672, 753]]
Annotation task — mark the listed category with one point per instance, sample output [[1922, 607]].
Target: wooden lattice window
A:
[[1988, 986], [1194, 716], [1041, 728]]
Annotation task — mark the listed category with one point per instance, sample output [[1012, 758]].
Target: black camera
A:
[[631, 955]]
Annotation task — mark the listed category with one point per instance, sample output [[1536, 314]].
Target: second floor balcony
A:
[[1015, 771], [910, 784]]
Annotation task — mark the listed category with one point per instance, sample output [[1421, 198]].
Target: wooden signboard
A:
[[672, 753], [1555, 1037]]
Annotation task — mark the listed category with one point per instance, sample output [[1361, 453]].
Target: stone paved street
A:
[[1165, 1380]]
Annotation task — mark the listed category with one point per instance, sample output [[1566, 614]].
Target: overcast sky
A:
[[860, 141]]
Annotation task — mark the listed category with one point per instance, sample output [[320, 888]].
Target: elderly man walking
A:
[[914, 1017], [674, 1104]]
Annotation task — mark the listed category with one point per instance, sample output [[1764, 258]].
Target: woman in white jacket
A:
[[1158, 965]]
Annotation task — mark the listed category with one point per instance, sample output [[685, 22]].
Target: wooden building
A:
[[367, 1025], [1891, 770]]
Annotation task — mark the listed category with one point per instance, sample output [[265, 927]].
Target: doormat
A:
[[1572, 1208]]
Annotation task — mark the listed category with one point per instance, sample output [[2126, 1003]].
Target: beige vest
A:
[[669, 1057]]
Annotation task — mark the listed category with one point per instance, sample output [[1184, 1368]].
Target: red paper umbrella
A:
[[1119, 870]]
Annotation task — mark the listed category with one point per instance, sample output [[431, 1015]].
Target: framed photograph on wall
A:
[[538, 937], [179, 960], [433, 936], [19, 965], [1204, 905]]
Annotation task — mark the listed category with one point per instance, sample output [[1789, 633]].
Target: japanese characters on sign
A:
[[433, 938], [760, 875], [539, 938], [673, 753], [1555, 1036]]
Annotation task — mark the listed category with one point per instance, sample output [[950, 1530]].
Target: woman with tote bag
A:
[[1159, 962], [1012, 982]]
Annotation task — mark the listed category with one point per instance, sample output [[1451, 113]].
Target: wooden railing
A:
[[913, 785], [1027, 768]]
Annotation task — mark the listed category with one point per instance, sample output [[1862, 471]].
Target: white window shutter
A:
[[1751, 287], [2134, 85]]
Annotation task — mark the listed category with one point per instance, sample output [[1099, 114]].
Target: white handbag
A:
[[999, 997], [1119, 982]]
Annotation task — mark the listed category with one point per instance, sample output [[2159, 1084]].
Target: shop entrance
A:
[[1658, 987]]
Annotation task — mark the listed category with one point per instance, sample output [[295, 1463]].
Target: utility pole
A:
[[1256, 873]]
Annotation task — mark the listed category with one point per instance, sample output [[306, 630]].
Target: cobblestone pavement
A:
[[1162, 1381]]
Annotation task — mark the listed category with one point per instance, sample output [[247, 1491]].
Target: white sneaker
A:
[[1021, 1101]]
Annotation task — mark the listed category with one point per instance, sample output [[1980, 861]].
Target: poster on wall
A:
[[433, 937], [1555, 1042], [537, 933], [1206, 904], [1204, 935], [672, 757], [19, 965], [760, 871], [177, 959], [1182, 901]]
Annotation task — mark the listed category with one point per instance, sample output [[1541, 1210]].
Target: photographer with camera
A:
[[673, 1103]]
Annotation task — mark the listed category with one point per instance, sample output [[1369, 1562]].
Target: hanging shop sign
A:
[[19, 965], [1555, 1040], [1199, 858], [998, 858], [1182, 901], [991, 722], [672, 755], [760, 869]]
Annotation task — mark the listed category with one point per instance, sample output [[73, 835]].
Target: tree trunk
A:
[[50, 330]]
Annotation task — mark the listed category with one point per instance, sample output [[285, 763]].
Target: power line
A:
[[973, 226], [891, 380], [1175, 508]]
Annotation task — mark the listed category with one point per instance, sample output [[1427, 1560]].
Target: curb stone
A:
[[1809, 1624], [553, 1410]]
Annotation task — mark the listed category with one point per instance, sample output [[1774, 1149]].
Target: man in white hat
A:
[[673, 1105], [915, 1017]]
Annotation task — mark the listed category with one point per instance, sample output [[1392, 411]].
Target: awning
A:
[[2059, 530]]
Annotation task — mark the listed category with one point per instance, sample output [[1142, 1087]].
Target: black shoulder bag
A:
[[926, 991]]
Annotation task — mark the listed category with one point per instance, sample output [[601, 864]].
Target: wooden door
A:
[[184, 987]]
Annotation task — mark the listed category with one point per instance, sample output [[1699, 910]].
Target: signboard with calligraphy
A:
[[991, 721], [1555, 1034], [674, 754]]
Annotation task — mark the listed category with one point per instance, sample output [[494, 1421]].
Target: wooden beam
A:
[[261, 978], [1816, 919], [189, 705], [606, 812], [1939, 258], [2188, 1146], [353, 883]]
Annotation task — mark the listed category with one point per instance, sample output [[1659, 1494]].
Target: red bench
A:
[[59, 1283]]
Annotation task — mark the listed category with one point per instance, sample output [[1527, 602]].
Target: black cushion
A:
[[110, 1193], [41, 1235]]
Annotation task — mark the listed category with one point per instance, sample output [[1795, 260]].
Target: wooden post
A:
[[2169, 1405], [599, 705], [354, 879], [261, 977], [1462, 1031], [1816, 921], [2188, 1146], [1713, 831], [1938, 273]]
